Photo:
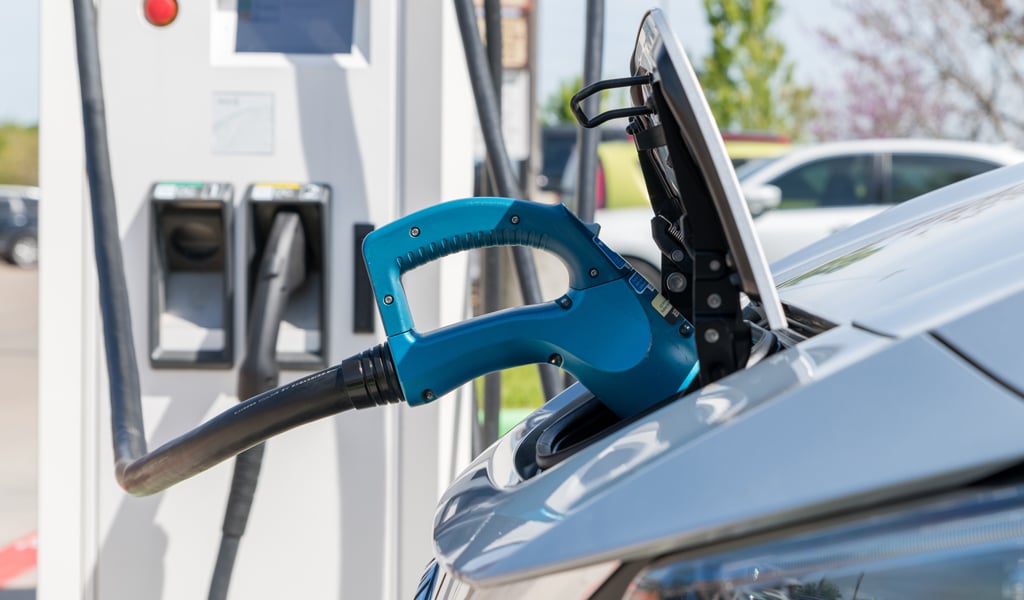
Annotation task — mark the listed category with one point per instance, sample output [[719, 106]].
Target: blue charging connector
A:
[[611, 329]]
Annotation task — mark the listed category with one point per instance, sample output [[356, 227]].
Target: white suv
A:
[[813, 191]]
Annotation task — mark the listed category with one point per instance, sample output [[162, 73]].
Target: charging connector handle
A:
[[611, 329]]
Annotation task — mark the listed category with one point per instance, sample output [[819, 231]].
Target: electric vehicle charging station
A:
[[378, 116]]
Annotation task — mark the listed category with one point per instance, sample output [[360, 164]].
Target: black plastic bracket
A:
[[698, 275], [576, 102]]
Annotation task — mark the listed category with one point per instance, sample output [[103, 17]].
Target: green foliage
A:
[[748, 82], [556, 108], [19, 155], [520, 387]]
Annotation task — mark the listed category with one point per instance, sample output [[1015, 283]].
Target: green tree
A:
[[748, 82], [556, 108]]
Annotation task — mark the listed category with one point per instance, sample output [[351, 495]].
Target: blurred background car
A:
[[19, 222], [558, 147], [813, 191]]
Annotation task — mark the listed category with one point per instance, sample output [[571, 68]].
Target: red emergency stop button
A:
[[160, 12]]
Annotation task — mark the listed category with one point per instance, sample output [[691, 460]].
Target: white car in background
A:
[[813, 191]]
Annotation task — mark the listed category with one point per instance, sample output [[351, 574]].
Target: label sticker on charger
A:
[[286, 192], [189, 190], [665, 309]]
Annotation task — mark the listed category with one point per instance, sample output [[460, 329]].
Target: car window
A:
[[916, 174], [5, 208], [841, 181], [752, 166]]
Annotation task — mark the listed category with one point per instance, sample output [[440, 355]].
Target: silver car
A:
[[869, 445]]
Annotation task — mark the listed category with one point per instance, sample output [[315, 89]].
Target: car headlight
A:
[[573, 584], [971, 547]]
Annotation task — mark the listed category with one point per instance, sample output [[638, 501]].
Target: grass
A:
[[19, 154], [520, 395], [520, 388]]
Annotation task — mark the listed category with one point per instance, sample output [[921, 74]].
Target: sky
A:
[[560, 43], [19, 61], [561, 24]]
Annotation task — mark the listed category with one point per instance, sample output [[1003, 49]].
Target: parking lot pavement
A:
[[19, 321]]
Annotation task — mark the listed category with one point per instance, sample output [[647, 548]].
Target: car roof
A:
[[1002, 154], [21, 191]]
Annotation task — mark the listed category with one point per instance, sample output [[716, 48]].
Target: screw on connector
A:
[[678, 256], [714, 301], [715, 266], [686, 330], [514, 219], [676, 282], [429, 395], [711, 336], [414, 232], [565, 302], [593, 272], [555, 359], [389, 299]]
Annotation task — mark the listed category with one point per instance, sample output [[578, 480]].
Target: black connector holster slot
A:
[[191, 298], [302, 338]]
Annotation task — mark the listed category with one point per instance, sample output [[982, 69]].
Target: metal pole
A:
[[507, 183], [587, 139], [491, 286]]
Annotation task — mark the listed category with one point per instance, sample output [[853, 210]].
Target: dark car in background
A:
[[558, 144], [19, 225]]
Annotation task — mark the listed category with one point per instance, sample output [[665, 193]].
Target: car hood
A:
[[919, 264]]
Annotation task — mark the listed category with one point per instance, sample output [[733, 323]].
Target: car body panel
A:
[[885, 405], [915, 274], [843, 420], [990, 337]]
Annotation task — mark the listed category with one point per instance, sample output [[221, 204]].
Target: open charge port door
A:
[[191, 273], [302, 340]]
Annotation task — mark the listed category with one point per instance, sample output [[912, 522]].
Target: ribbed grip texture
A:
[[370, 378], [468, 241]]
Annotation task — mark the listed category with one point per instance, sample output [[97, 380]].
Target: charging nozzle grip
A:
[[611, 329], [450, 227]]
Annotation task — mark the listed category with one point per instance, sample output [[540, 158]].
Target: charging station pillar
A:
[[367, 98]]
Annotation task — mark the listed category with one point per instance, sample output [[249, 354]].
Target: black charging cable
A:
[[281, 271]]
